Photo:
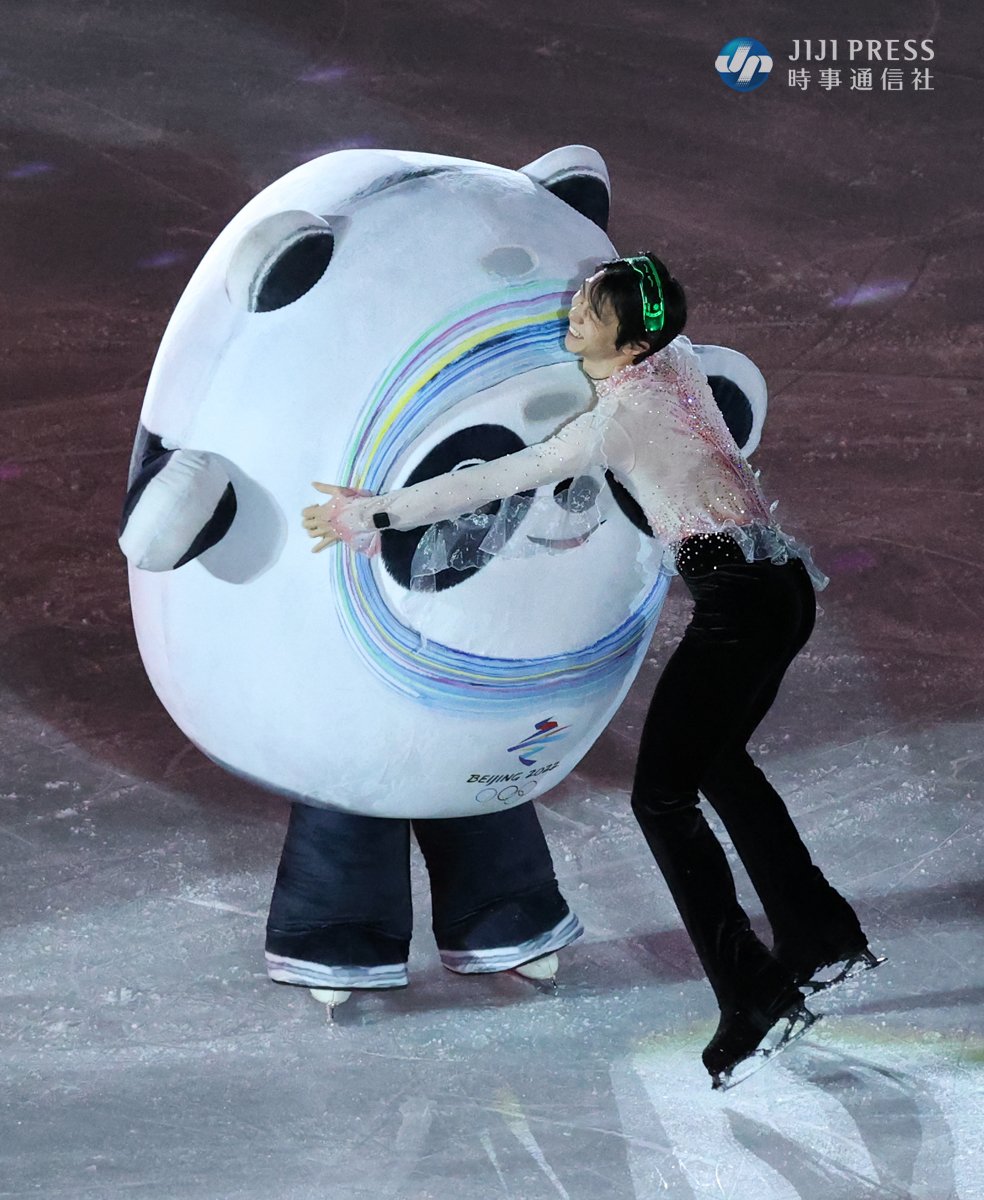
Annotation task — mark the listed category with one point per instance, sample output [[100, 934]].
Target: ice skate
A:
[[746, 1040], [841, 970], [330, 998], [541, 971], [826, 971]]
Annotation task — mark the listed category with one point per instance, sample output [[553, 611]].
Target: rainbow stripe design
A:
[[504, 335], [517, 330], [545, 731]]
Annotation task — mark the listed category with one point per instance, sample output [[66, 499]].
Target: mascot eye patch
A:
[[468, 447], [629, 505], [293, 272], [578, 494]]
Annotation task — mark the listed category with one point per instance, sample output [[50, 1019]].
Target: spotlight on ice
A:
[[871, 293]]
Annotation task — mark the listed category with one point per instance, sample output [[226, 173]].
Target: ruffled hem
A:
[[760, 540], [523, 527], [552, 528]]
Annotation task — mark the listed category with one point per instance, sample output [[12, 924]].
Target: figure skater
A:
[[656, 428]]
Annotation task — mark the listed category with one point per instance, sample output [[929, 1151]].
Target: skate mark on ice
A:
[[700, 1147], [821, 1122], [921, 550], [16, 837], [651, 1160], [518, 1126], [549, 815], [490, 1152], [971, 828], [944, 584], [901, 1124], [969, 997], [218, 905], [425, 1058], [964, 760], [808, 1172], [416, 1118]]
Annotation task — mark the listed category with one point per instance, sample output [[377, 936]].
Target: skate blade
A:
[[331, 998], [543, 987], [853, 968], [787, 1030]]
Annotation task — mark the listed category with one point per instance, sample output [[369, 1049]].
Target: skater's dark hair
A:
[[619, 286]]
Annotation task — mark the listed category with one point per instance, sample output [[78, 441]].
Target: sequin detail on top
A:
[[688, 476], [705, 484], [753, 543]]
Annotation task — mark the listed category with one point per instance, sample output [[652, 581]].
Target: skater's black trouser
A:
[[749, 622], [341, 915]]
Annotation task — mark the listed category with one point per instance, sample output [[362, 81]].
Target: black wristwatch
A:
[[381, 520]]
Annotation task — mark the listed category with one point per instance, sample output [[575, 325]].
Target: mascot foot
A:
[[331, 998], [540, 970]]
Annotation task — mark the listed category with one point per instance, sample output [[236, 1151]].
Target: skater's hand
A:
[[320, 519], [340, 520]]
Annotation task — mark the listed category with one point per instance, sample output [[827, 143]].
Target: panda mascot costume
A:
[[382, 317]]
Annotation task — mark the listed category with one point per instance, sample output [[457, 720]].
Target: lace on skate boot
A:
[[789, 1028]]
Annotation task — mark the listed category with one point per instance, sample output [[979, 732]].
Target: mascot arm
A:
[[178, 504], [580, 445]]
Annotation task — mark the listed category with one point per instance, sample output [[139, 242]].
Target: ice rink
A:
[[833, 235]]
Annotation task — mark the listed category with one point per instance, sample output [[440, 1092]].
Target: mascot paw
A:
[[179, 503]]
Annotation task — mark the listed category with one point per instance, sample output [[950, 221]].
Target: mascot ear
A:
[[578, 176], [740, 391]]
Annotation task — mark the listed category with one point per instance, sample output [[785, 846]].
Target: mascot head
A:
[[375, 318]]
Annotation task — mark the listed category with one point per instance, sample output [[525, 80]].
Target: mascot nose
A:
[[509, 262]]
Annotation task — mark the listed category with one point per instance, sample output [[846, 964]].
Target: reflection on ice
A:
[[871, 293]]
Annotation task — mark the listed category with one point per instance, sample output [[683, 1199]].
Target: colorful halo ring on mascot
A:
[[513, 331]]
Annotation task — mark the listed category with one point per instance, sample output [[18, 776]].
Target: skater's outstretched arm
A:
[[587, 440]]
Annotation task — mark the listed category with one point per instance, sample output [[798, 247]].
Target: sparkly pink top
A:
[[655, 425], [685, 470]]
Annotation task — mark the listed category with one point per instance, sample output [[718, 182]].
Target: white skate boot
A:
[[540, 970], [330, 998]]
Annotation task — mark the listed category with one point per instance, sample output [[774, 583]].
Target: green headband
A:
[[651, 291]]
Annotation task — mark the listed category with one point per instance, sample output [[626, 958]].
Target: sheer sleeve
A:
[[578, 444]]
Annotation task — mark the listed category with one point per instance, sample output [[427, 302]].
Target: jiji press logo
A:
[[744, 64]]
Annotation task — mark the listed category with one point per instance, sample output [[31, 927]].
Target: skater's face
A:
[[591, 330]]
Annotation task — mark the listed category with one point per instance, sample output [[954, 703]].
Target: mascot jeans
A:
[[341, 914], [749, 622]]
